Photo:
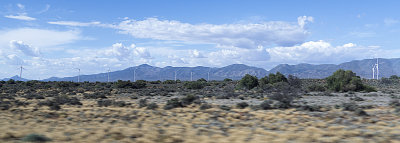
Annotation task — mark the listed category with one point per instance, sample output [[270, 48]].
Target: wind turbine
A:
[[20, 73], [134, 75], [377, 68], [373, 71], [191, 76], [108, 75], [79, 73], [208, 74]]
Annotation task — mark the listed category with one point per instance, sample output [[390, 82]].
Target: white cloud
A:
[[196, 54], [390, 21], [20, 6], [42, 38], [45, 9], [318, 52], [142, 52], [24, 48], [74, 23], [13, 60], [125, 53], [302, 20], [238, 35], [21, 16]]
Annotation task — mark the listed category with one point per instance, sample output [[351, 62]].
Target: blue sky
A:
[[51, 38]]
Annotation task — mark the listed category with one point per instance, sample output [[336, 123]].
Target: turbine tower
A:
[[79, 73], [377, 68], [175, 76], [208, 74], [20, 73], [108, 75], [134, 75], [191, 76], [373, 72]]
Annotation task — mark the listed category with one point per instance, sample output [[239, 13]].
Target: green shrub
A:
[[275, 78], [194, 84], [205, 106], [139, 84], [248, 82], [155, 82], [285, 99], [242, 105], [352, 106], [11, 81], [188, 99], [395, 77], [35, 138], [152, 106], [202, 80], [227, 79], [294, 81], [173, 103], [224, 107], [316, 87], [266, 104], [169, 82], [343, 81], [142, 103], [128, 84]]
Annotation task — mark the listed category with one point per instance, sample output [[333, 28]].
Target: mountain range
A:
[[363, 68]]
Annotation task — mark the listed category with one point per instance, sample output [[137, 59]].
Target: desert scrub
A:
[[248, 82], [343, 81], [242, 105], [152, 106], [195, 84], [107, 102], [205, 106], [224, 107], [35, 138], [142, 103], [182, 102], [173, 103], [316, 87]]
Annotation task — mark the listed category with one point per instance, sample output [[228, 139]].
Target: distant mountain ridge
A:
[[363, 68]]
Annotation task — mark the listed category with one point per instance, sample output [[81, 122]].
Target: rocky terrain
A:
[[214, 112]]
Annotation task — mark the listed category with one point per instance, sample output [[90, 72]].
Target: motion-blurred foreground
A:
[[270, 109]]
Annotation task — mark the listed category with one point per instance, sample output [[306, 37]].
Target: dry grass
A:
[[90, 123]]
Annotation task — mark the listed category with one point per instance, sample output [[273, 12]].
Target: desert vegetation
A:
[[274, 108]]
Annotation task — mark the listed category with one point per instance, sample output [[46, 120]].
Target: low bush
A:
[[316, 87], [242, 105], [152, 106], [394, 103], [33, 96], [35, 138], [227, 80], [350, 106], [107, 102], [266, 105], [248, 82], [343, 81], [285, 99], [205, 106], [96, 95], [142, 103], [176, 102], [357, 98], [224, 107], [173, 103], [194, 85], [169, 82]]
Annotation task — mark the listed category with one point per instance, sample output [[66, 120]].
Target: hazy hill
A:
[[363, 68]]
